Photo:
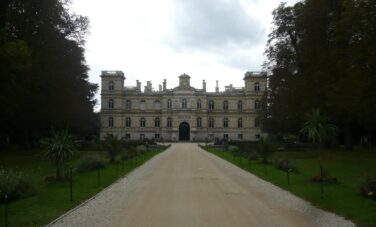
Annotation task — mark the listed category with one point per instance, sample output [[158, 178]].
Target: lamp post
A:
[[6, 210]]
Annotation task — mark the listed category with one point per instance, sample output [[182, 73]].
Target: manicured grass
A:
[[53, 198], [343, 198]]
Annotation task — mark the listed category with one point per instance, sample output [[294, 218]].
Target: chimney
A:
[[164, 85], [160, 88], [216, 87], [204, 85], [138, 85]]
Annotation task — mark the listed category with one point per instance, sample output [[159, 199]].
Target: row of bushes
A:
[[16, 185], [368, 188]]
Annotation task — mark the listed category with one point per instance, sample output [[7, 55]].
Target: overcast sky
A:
[[156, 40]]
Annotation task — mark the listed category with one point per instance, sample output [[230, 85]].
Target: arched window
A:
[[211, 122], [169, 104], [142, 122], [128, 104], [142, 104], [257, 105], [240, 106], [110, 104], [257, 87], [225, 105], [128, 122], [225, 122], [111, 86], [157, 122], [184, 103], [110, 122], [169, 122], [257, 122], [199, 104], [211, 105], [240, 123], [199, 123], [157, 104]]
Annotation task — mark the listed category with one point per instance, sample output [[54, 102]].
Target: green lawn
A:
[[350, 168], [53, 198]]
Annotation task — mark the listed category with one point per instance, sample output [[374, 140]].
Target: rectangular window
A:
[[225, 123], [128, 104], [257, 136], [240, 136], [225, 136], [128, 122], [211, 122], [142, 136], [127, 136], [157, 136]]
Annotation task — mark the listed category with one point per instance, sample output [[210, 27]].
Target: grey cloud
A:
[[214, 24]]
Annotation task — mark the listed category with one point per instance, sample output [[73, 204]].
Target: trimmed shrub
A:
[[141, 149], [16, 185], [88, 163], [368, 188], [286, 165]]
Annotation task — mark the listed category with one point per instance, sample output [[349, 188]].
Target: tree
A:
[[318, 129], [327, 62], [59, 149], [43, 73], [113, 146]]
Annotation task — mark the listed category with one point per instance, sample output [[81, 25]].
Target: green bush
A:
[[90, 163], [252, 155], [16, 185], [368, 188], [141, 149], [286, 165]]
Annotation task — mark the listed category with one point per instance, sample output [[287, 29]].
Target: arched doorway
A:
[[184, 131]]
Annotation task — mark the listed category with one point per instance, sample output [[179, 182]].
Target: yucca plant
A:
[[318, 130], [59, 149]]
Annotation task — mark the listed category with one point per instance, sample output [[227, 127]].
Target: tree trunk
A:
[[348, 142]]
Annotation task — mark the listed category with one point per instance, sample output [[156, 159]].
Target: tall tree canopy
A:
[[322, 54], [43, 74]]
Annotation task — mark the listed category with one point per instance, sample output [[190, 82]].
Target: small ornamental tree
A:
[[59, 149], [318, 130], [113, 146]]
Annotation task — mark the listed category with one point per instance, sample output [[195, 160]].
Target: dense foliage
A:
[[322, 54], [43, 74]]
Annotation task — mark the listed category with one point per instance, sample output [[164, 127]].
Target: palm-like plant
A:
[[113, 146], [318, 130], [59, 149]]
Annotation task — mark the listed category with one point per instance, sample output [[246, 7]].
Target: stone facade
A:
[[181, 113]]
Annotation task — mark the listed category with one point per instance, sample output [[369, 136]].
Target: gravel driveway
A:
[[186, 186]]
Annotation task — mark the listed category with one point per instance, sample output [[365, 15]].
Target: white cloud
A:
[[156, 40]]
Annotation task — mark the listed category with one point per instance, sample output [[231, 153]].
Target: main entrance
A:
[[184, 131]]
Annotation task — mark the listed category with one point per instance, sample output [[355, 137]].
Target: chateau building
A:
[[183, 113]]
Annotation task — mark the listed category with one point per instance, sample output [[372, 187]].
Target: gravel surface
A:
[[186, 186]]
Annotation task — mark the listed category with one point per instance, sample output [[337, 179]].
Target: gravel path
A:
[[186, 186]]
